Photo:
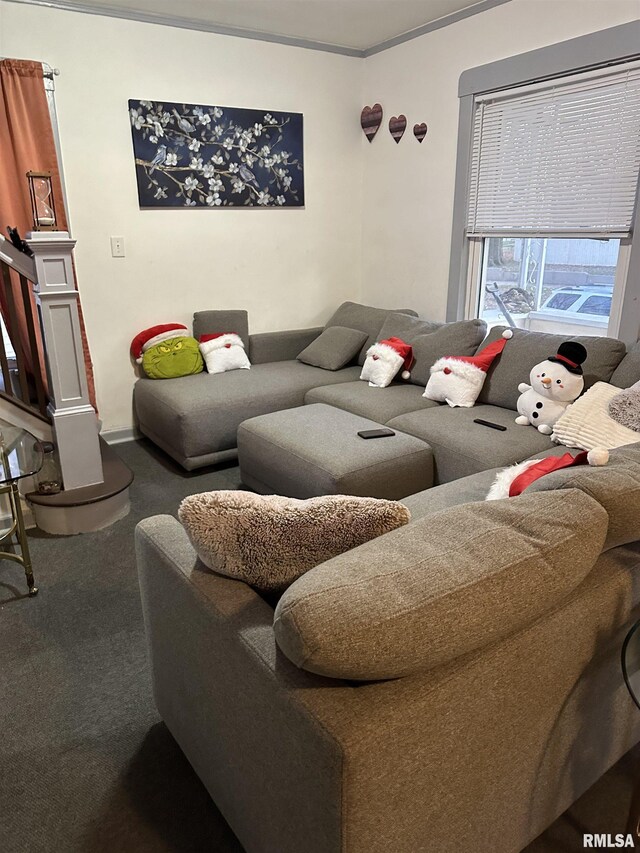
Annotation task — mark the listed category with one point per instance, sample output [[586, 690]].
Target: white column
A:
[[74, 419]]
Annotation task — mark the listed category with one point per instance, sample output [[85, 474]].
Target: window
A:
[[563, 286], [552, 185]]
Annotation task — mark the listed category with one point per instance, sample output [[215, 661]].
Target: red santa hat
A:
[[513, 481], [405, 351], [484, 359], [596, 457], [219, 340], [155, 335]]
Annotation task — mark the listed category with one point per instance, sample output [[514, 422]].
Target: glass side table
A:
[[21, 455], [631, 673]]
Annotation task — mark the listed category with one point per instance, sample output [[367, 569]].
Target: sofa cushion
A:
[[269, 541], [462, 447], [334, 348], [451, 339], [526, 349], [406, 327], [616, 486], [379, 404], [215, 322], [316, 450], [365, 318], [430, 340], [198, 415], [463, 491], [627, 373], [442, 587]]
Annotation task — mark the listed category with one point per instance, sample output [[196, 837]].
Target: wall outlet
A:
[[117, 247]]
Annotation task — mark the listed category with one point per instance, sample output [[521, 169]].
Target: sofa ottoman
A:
[[316, 450]]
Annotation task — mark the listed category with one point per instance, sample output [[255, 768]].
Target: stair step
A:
[[117, 478]]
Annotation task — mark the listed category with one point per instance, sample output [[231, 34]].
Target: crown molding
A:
[[181, 22], [438, 24]]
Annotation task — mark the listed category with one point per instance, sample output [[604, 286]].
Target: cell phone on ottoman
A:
[[375, 433]]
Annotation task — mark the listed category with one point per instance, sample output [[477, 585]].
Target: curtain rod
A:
[[49, 71]]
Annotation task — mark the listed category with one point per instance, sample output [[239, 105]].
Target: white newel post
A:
[[74, 419]]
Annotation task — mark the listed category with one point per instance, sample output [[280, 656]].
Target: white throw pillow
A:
[[587, 423], [223, 352]]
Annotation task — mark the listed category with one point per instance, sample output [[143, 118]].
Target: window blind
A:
[[559, 158]]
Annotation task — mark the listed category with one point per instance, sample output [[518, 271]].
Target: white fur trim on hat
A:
[[163, 336], [460, 368], [598, 456], [385, 352], [221, 342]]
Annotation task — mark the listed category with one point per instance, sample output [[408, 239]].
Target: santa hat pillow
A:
[[458, 379], [224, 351], [511, 482], [384, 360]]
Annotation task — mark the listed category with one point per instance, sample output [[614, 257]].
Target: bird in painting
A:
[[183, 123], [159, 159], [247, 175]]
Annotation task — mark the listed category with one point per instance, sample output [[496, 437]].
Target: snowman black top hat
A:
[[571, 355]]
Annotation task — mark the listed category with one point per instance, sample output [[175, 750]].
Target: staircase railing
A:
[[48, 276], [22, 385]]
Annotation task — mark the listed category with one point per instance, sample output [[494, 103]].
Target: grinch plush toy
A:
[[555, 384], [167, 351]]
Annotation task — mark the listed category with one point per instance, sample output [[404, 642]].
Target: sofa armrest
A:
[[243, 714], [298, 762], [280, 346]]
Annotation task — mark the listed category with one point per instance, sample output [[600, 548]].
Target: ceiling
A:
[[356, 27]]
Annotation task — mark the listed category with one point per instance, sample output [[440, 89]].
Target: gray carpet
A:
[[85, 762]]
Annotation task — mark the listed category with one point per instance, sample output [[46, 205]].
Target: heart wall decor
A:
[[420, 131], [370, 120], [397, 126]]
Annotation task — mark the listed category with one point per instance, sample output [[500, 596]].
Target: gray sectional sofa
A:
[[195, 419], [451, 686]]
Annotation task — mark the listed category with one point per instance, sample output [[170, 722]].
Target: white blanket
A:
[[587, 424]]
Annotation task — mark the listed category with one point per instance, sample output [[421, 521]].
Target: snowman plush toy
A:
[[555, 384]]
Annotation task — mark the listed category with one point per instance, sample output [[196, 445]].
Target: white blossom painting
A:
[[198, 156]]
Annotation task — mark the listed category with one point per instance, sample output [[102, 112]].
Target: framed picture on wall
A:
[[190, 155]]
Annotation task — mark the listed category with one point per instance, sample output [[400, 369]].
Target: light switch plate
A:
[[117, 247]]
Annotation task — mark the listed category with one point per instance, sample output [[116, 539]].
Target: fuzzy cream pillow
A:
[[587, 423], [270, 541]]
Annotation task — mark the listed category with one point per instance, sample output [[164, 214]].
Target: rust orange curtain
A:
[[27, 143]]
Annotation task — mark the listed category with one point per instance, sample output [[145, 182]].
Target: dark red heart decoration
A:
[[420, 131], [397, 126], [370, 120]]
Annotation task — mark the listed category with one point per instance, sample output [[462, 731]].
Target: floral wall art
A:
[[201, 156]]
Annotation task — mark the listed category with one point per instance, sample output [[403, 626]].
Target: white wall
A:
[[408, 188], [289, 268]]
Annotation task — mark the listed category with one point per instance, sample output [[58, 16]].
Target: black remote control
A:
[[490, 424]]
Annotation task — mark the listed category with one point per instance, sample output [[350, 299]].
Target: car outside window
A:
[[600, 305], [562, 301]]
